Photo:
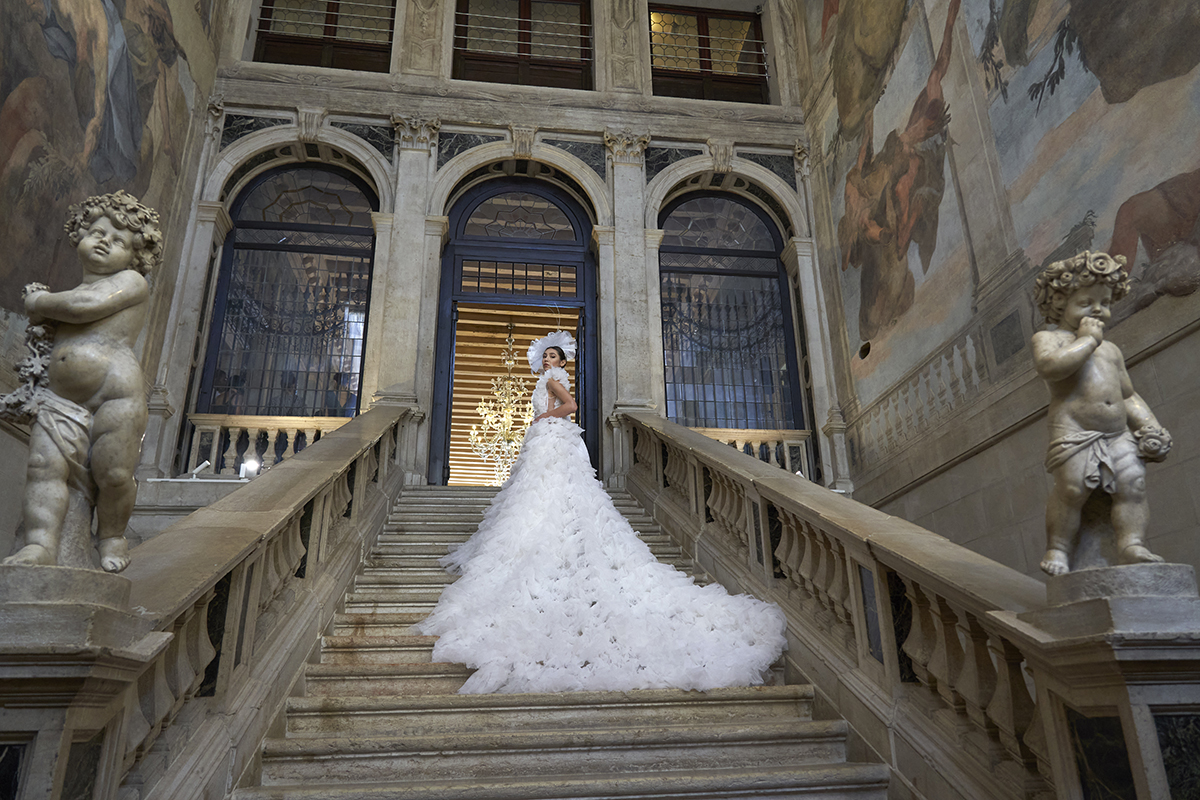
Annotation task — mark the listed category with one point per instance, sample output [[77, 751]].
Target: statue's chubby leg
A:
[[45, 502], [1131, 512], [1064, 507], [117, 430]]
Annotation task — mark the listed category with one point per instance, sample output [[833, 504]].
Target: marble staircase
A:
[[377, 718]]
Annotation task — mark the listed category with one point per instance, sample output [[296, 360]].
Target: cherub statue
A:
[[84, 395], [1101, 431]]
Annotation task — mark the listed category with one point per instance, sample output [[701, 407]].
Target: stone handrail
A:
[[773, 447], [923, 645], [246, 585], [215, 438]]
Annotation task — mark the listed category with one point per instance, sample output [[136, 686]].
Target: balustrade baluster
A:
[[292, 434], [1011, 707], [810, 562], [920, 642], [945, 663], [230, 454], [977, 681]]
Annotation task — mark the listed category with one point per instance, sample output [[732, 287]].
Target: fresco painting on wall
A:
[[95, 96], [901, 248], [1073, 85]]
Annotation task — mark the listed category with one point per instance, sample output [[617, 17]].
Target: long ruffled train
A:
[[557, 593]]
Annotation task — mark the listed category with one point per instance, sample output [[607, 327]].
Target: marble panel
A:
[[237, 126], [594, 154], [451, 144], [1101, 757], [782, 165], [381, 137], [659, 158], [1179, 741], [871, 611], [10, 768], [82, 763]]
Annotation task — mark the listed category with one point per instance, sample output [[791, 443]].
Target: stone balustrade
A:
[[781, 448], [218, 438], [229, 603], [940, 658]]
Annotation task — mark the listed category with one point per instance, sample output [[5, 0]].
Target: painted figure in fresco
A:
[[87, 401], [1105, 34], [1101, 431], [864, 47], [892, 200]]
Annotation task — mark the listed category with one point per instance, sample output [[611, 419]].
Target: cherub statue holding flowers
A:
[[1101, 431], [84, 395]]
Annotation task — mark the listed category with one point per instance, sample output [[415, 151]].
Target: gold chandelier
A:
[[506, 416]]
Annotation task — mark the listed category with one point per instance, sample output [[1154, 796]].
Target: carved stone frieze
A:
[[415, 133], [626, 146]]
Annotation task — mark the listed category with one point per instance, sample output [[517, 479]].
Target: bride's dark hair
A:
[[561, 355]]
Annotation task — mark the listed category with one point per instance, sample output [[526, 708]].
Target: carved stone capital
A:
[[522, 138], [415, 133], [626, 146], [722, 155], [309, 121]]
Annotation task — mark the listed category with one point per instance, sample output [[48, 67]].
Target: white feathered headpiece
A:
[[557, 339]]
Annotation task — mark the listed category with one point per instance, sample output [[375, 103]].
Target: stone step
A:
[[360, 605], [395, 716], [374, 624], [429, 529], [384, 680], [374, 649], [555, 752], [404, 576], [823, 782]]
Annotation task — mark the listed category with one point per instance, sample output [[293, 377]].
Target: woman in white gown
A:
[[557, 593]]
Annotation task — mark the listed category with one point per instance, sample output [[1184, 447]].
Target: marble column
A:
[[189, 314], [799, 258], [402, 309], [632, 350], [382, 290]]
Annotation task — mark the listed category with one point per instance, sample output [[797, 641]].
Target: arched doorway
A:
[[730, 356], [290, 306], [519, 254]]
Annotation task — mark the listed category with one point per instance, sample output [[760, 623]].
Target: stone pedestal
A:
[[1118, 649], [1136, 598], [71, 653]]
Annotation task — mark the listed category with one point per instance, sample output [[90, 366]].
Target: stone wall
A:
[[961, 146]]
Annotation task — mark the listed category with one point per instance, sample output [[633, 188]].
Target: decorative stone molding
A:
[[309, 121], [722, 155], [216, 110], [802, 158], [415, 133], [216, 215], [522, 138], [626, 146]]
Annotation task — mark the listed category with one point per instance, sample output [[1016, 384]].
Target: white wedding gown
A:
[[557, 593]]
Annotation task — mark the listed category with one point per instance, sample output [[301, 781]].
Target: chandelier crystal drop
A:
[[506, 415]]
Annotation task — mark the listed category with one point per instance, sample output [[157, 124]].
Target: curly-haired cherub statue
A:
[[86, 398], [1101, 431]]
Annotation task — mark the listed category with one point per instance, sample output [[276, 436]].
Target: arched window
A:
[[729, 352], [290, 314]]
